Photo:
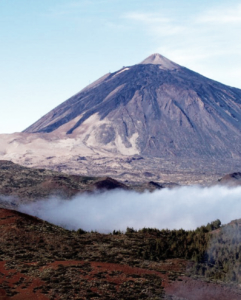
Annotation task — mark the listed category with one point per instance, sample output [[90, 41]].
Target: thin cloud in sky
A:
[[200, 41], [159, 25], [222, 16], [156, 24], [190, 39], [147, 18], [78, 7]]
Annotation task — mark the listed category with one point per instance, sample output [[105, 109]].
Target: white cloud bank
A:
[[185, 207]]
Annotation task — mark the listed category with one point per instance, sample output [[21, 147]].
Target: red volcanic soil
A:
[[41, 261], [25, 287], [91, 278], [14, 284], [17, 286], [9, 218]]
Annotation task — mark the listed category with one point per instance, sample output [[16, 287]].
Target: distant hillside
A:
[[28, 184]]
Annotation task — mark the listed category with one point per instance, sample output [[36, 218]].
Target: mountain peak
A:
[[153, 109], [158, 59]]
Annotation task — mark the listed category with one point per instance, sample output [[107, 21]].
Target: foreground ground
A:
[[41, 261]]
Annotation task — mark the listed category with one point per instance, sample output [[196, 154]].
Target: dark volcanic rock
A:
[[233, 179], [156, 185], [109, 184], [157, 108], [18, 182]]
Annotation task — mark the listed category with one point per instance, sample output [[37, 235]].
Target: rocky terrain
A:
[[148, 126], [21, 184], [154, 121], [233, 179], [43, 261], [70, 156], [39, 260]]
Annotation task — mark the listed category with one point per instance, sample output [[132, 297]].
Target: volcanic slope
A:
[[155, 119], [155, 108]]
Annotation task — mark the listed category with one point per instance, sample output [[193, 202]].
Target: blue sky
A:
[[51, 49]]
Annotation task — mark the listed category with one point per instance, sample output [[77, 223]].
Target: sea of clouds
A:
[[184, 207]]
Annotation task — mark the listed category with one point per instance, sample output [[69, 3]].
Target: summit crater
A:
[[162, 61]]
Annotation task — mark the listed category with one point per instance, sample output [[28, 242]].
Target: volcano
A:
[[155, 108], [145, 120]]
